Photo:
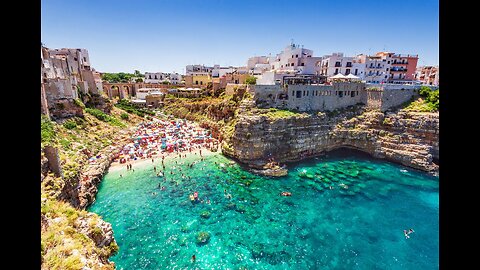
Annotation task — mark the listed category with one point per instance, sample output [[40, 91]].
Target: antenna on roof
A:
[[291, 42]]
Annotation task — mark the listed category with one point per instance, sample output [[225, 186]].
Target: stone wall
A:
[[232, 88], [406, 138], [309, 97], [331, 97], [56, 89], [392, 98]]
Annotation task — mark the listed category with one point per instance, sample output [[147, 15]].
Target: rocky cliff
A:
[[404, 137]]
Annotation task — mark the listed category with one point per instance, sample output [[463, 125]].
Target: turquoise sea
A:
[[356, 225]]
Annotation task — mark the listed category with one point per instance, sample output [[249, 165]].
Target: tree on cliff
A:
[[251, 80]]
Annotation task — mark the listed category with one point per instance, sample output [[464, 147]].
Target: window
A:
[[293, 93], [387, 69], [201, 82], [352, 93], [340, 93], [299, 94], [338, 64], [296, 56], [196, 82], [347, 71], [349, 64], [356, 71], [292, 55], [84, 59], [303, 64], [75, 58], [303, 92], [336, 71], [388, 62]]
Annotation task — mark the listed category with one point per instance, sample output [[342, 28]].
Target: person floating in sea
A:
[[286, 193], [120, 176], [154, 168], [194, 258], [406, 233]]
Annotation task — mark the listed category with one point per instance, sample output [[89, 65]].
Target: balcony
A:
[[398, 69], [338, 65], [349, 64], [399, 63]]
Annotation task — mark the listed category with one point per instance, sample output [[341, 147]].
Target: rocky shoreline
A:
[[408, 138]]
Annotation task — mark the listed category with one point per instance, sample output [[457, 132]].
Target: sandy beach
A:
[[157, 159]]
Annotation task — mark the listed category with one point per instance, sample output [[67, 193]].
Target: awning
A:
[[338, 76]]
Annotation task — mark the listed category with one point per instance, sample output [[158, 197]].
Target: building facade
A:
[[337, 63], [161, 77], [427, 75]]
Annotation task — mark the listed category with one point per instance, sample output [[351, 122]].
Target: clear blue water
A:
[[360, 227]]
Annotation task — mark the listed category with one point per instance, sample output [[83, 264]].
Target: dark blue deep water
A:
[[356, 225]]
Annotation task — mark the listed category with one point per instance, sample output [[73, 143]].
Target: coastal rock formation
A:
[[404, 137], [73, 239], [65, 108], [81, 192]]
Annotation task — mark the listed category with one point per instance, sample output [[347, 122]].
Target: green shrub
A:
[[79, 103], [104, 117], [48, 131], [70, 124], [124, 116]]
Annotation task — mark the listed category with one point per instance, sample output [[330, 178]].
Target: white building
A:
[[142, 93], [294, 58], [155, 77], [338, 63], [189, 69], [377, 68], [218, 71], [175, 78], [160, 77]]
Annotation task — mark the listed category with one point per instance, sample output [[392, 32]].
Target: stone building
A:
[[66, 75], [155, 99], [323, 97]]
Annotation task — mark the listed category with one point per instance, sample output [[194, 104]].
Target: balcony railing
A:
[[398, 69], [338, 65], [399, 63]]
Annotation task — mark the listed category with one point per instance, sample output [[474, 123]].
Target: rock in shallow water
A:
[[202, 238]]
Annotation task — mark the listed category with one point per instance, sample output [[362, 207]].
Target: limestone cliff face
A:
[[407, 138], [81, 191], [65, 108]]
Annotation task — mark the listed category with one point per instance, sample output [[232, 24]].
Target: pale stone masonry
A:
[[65, 74], [323, 97]]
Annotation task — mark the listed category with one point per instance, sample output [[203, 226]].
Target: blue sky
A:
[[167, 35]]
